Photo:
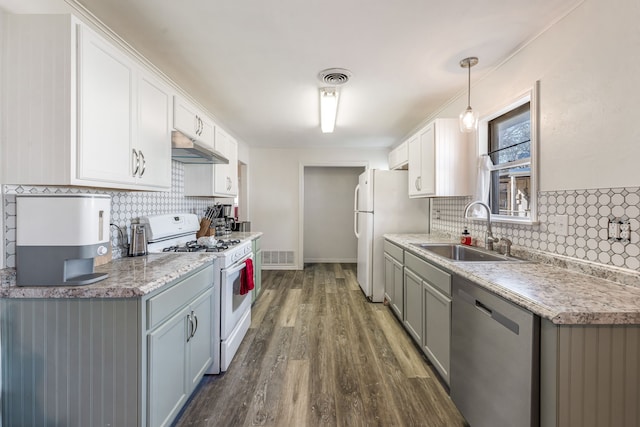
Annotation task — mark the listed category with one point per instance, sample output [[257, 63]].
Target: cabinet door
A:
[[200, 344], [398, 289], [388, 278], [207, 132], [428, 160], [167, 382], [226, 176], [105, 111], [154, 133], [413, 305], [257, 270], [437, 329], [185, 117], [415, 166]]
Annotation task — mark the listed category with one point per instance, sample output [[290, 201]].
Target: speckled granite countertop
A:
[[128, 277], [557, 294]]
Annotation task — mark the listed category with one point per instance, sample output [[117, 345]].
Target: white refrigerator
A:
[[382, 206]]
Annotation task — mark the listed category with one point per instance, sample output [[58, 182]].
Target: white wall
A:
[[328, 214], [589, 71], [275, 189]]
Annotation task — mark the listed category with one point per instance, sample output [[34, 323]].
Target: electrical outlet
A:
[[562, 225]]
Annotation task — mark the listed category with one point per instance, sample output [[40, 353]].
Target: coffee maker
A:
[[58, 236], [224, 221]]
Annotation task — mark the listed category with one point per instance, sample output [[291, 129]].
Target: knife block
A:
[[205, 229]]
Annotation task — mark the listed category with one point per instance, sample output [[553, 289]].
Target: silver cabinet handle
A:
[[135, 160], [415, 183], [189, 327], [144, 164], [420, 183], [229, 182], [201, 126], [196, 124], [195, 328]]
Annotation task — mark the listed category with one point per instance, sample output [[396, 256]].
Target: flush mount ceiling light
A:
[[328, 108], [468, 118], [329, 96]]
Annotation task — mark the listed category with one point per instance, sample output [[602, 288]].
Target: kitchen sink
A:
[[458, 252]]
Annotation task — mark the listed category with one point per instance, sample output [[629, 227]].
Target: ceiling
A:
[[254, 64]]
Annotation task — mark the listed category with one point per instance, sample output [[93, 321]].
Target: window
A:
[[509, 137], [510, 152]]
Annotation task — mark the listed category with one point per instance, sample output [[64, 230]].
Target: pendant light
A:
[[469, 118]]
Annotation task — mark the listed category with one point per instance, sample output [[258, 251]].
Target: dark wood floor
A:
[[317, 354]]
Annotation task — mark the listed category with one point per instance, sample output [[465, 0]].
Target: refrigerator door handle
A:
[[355, 211], [355, 198]]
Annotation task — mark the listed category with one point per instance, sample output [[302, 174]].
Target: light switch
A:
[[562, 225]]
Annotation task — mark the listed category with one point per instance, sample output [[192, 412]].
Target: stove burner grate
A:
[[193, 246]]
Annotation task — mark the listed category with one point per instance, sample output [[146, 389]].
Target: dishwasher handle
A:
[[490, 312]]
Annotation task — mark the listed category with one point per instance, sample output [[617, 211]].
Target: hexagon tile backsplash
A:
[[126, 206], [588, 211]]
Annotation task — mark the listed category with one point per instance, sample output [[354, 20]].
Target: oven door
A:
[[235, 311]]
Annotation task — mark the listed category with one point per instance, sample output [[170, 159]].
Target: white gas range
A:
[[177, 233]]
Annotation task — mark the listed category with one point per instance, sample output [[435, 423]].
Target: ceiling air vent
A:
[[334, 76]]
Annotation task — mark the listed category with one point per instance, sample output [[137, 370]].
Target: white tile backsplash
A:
[[126, 206], [588, 213]]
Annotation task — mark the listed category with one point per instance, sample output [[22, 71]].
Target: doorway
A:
[[328, 214]]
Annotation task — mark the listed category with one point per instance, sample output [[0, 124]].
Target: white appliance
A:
[[58, 236], [382, 206], [177, 233]]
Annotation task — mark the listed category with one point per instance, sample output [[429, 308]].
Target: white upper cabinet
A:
[[80, 111], [154, 130], [226, 179], [192, 122], [215, 180], [399, 156], [439, 161]]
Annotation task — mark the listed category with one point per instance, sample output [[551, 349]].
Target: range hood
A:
[[186, 150]]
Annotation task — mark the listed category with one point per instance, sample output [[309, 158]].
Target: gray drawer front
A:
[[436, 277], [395, 251], [164, 304]]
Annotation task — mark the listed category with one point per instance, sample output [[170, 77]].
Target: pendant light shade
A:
[[469, 118]]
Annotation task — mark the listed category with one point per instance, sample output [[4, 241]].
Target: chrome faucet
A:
[[489, 239], [507, 246]]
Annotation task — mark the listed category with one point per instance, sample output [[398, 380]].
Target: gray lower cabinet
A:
[[257, 267], [179, 353], [106, 361], [428, 310], [394, 277], [437, 329], [413, 305]]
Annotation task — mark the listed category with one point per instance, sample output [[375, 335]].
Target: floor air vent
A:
[[278, 258]]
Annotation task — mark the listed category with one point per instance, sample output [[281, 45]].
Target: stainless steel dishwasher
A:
[[494, 359]]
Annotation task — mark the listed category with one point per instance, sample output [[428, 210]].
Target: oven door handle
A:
[[239, 266]]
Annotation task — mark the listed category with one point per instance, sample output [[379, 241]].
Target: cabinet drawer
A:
[[164, 304], [395, 251], [436, 277]]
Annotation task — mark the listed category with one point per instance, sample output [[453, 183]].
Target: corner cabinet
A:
[[439, 161], [217, 180], [82, 112], [108, 361]]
